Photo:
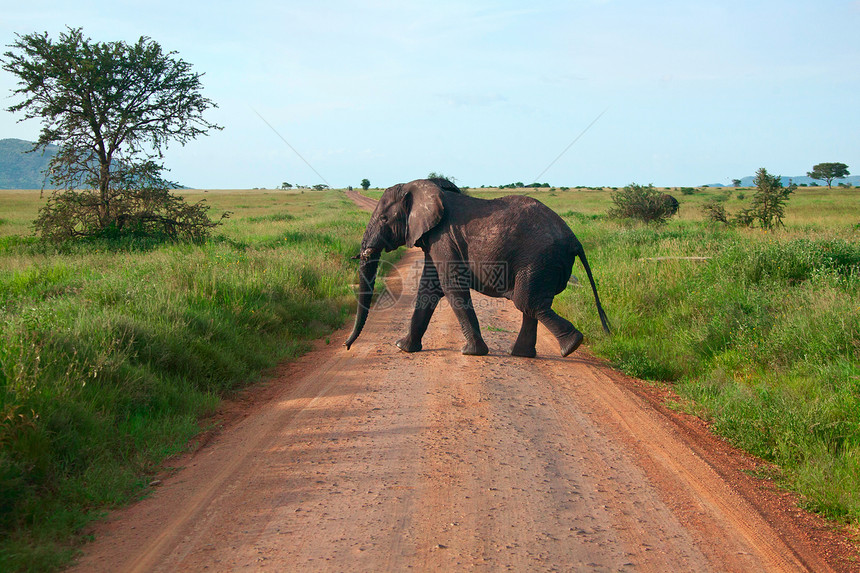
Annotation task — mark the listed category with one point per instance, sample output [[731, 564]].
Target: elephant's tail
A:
[[580, 252]]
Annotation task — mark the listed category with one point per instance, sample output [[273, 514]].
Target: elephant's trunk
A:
[[367, 274]]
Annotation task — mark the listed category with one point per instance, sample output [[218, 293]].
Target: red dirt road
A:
[[377, 460]]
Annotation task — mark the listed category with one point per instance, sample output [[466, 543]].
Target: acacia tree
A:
[[112, 108], [828, 172]]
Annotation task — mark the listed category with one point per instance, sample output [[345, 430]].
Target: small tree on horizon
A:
[[365, 184], [112, 108], [828, 172], [434, 175]]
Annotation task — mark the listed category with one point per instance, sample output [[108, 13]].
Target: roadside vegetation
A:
[[762, 339], [113, 351]]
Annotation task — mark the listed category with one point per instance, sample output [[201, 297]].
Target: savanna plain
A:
[[114, 354]]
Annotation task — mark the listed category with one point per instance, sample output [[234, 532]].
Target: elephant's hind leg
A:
[[527, 338], [569, 338]]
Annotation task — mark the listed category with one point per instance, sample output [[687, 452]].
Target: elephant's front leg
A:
[[461, 303], [429, 294]]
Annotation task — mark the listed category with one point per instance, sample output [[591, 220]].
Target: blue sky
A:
[[492, 92]]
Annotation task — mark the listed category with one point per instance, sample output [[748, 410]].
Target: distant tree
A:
[[736, 182], [112, 108], [769, 199], [434, 175], [286, 185], [828, 172], [320, 187], [365, 184]]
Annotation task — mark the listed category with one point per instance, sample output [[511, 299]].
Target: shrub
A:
[[715, 211], [687, 190], [744, 218], [670, 203], [148, 212], [642, 203]]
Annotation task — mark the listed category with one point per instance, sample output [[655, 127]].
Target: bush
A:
[[687, 190], [147, 212], [715, 212], [670, 203], [642, 203], [745, 218]]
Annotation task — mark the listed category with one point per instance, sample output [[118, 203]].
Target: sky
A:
[[676, 93]]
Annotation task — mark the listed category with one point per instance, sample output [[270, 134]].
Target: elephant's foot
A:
[[518, 350], [406, 345], [570, 342], [478, 348]]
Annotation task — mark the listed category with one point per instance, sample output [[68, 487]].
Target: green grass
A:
[[763, 339], [112, 353]]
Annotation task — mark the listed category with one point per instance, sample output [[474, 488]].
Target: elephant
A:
[[513, 247]]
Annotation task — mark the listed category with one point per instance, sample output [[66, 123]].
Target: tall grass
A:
[[113, 351]]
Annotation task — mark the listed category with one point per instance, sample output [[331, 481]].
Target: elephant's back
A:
[[536, 219]]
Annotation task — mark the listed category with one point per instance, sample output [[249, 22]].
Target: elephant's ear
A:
[[425, 209]]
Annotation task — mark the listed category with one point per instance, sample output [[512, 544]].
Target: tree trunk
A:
[[105, 215]]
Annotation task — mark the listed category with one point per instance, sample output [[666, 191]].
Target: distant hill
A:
[[21, 170], [853, 180]]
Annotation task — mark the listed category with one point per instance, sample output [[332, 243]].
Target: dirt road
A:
[[377, 460], [362, 201]]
